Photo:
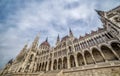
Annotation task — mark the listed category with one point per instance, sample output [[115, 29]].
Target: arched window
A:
[[109, 55], [70, 49], [72, 61], [65, 62], [80, 59], [88, 57], [116, 47], [55, 65], [97, 55], [59, 63]]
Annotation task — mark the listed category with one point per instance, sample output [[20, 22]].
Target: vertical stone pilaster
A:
[[52, 63], [76, 62], [47, 67], [93, 58], [68, 62], [84, 60]]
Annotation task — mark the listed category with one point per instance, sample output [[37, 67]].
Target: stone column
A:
[[47, 67], [68, 62], [93, 58], [76, 62], [62, 64], [102, 55], [52, 62], [84, 60]]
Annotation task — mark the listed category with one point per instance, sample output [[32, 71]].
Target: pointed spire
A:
[[101, 13], [37, 38], [46, 39], [24, 48], [58, 38], [70, 32]]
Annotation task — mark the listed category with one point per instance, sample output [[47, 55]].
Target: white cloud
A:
[[48, 17]]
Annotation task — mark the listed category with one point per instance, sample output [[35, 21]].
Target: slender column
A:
[[68, 62], [76, 62], [108, 35], [104, 37], [47, 67], [56, 65], [102, 55], [84, 60], [62, 64], [52, 62], [93, 58]]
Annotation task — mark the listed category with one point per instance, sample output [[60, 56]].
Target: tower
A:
[[21, 54], [35, 43]]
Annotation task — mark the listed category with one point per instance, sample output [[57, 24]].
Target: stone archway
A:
[[97, 55], [109, 55], [88, 57], [116, 47], [59, 63], [55, 65], [80, 59], [72, 61], [65, 63]]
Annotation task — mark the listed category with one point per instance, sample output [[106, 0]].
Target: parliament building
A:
[[95, 54]]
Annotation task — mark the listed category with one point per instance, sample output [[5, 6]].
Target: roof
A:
[[45, 43], [65, 37]]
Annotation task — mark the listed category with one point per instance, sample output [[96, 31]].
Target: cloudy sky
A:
[[21, 20]]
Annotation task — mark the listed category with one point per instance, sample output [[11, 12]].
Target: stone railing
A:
[[94, 66]]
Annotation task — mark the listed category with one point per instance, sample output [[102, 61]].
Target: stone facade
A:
[[95, 54]]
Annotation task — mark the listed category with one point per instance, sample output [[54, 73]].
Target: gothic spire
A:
[[24, 48], [46, 39], [70, 32], [36, 41], [101, 13], [58, 38]]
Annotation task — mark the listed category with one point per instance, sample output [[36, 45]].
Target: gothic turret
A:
[[21, 54], [35, 43]]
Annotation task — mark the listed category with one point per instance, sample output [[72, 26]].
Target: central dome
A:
[[45, 43]]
